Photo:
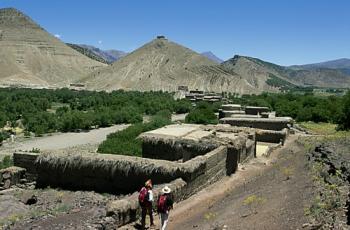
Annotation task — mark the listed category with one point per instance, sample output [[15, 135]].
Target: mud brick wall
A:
[[175, 150], [258, 123], [124, 174], [226, 113], [251, 110], [215, 168], [104, 172], [26, 160], [272, 136]]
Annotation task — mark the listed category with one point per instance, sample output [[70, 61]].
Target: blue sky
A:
[[281, 31]]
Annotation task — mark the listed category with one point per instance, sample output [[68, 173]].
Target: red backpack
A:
[[143, 195], [161, 205]]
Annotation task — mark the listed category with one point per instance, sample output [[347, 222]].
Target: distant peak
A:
[[212, 56]]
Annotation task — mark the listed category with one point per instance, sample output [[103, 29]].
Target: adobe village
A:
[[241, 144]]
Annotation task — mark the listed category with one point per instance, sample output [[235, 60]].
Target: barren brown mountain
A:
[[30, 56], [165, 65]]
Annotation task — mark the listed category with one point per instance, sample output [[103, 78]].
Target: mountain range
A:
[[32, 57], [105, 56]]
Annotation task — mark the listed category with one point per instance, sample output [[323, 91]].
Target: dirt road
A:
[[267, 193]]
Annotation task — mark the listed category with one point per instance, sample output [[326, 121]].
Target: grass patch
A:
[[253, 200], [327, 129]]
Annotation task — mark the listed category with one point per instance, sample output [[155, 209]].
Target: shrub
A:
[[182, 106], [3, 136], [202, 114], [6, 162], [344, 120], [125, 142]]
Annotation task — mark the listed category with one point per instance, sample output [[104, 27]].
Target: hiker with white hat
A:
[[164, 204]]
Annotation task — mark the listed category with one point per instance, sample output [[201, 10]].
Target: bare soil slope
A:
[[30, 56]]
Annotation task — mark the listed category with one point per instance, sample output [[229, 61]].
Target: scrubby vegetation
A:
[[126, 143], [204, 113], [279, 82], [44, 111]]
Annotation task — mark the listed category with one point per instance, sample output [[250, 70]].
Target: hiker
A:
[[164, 204], [146, 200]]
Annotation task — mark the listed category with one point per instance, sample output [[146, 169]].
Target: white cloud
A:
[[99, 42], [58, 36]]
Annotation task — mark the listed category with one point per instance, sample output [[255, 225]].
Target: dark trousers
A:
[[146, 210]]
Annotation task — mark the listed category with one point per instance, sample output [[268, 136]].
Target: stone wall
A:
[[11, 176], [258, 123]]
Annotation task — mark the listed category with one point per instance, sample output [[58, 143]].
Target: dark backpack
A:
[[143, 195], [161, 205]]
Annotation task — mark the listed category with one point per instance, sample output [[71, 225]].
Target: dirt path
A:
[[267, 193], [62, 140]]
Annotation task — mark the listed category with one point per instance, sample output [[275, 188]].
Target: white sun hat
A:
[[166, 190]]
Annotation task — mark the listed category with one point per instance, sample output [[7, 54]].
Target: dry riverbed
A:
[[87, 140]]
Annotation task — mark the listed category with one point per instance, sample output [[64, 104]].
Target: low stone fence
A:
[[11, 176]]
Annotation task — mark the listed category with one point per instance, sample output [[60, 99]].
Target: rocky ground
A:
[[48, 208], [329, 164]]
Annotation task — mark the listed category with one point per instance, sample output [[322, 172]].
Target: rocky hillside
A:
[[165, 65], [87, 52], [254, 69], [32, 57], [258, 74]]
